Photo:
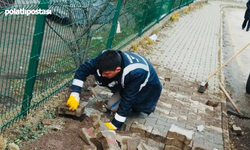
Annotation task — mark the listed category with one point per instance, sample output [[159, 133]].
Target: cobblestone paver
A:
[[186, 53], [191, 46]]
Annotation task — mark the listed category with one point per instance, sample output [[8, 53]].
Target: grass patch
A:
[[134, 48], [175, 16]]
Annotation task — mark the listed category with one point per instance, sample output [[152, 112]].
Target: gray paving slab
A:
[[194, 39]]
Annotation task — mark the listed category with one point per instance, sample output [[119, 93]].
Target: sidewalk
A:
[[187, 51]]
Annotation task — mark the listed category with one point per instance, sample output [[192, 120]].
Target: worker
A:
[[247, 17], [130, 77]]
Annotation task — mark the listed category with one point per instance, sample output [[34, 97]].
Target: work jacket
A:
[[137, 83]]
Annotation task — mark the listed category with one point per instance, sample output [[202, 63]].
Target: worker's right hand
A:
[[73, 101], [110, 126]]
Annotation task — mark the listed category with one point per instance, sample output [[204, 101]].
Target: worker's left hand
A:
[[73, 101], [110, 126]]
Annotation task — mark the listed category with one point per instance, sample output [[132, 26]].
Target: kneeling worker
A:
[[130, 77]]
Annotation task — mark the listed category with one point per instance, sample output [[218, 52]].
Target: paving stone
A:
[[186, 147], [126, 126], [169, 147], [154, 143], [163, 111], [169, 106], [86, 134], [200, 146], [143, 146], [99, 126], [157, 135], [171, 121], [130, 142], [141, 121], [140, 128], [198, 137], [167, 128], [237, 130], [3, 142], [63, 109], [89, 147], [108, 140], [46, 122], [174, 142], [13, 146], [180, 134], [157, 116], [151, 119], [157, 126]]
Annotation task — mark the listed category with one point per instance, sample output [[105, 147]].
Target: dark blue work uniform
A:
[[137, 82]]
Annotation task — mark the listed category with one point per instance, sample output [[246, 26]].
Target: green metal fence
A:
[[40, 53]]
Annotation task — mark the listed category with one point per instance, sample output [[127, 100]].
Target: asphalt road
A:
[[237, 71]]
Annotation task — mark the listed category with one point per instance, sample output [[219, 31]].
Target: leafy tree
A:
[[80, 16]]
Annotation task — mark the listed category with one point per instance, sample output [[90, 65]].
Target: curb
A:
[[224, 117]]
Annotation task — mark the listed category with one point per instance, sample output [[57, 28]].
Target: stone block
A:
[[198, 148], [180, 134], [124, 142], [108, 140], [89, 147], [86, 134], [63, 109], [130, 142], [95, 117], [237, 130], [3, 143], [186, 147], [126, 126], [157, 135], [143, 146], [13, 146], [98, 124], [169, 147], [46, 122], [174, 142], [97, 143], [142, 129]]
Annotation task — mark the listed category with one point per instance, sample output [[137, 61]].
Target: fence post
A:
[[34, 58], [114, 24], [159, 16], [180, 4], [171, 5], [144, 19]]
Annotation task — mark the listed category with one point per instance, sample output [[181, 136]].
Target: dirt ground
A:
[[65, 139], [44, 129], [239, 142]]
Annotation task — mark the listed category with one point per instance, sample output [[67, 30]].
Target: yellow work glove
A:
[[73, 101], [110, 125]]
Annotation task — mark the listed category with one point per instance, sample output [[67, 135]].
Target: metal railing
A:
[[40, 53]]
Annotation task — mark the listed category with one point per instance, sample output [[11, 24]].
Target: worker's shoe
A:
[[140, 112]]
